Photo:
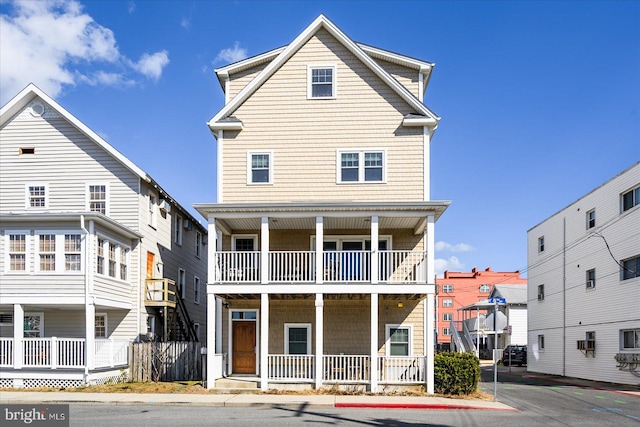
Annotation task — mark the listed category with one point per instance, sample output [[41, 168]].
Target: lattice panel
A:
[[57, 383], [113, 379], [6, 383]]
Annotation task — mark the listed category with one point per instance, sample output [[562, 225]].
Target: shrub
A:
[[456, 373]]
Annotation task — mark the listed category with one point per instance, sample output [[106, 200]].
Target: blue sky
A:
[[540, 100]]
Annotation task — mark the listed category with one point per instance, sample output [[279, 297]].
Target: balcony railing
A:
[[395, 267], [160, 292], [57, 352]]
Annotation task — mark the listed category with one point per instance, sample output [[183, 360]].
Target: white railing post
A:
[[53, 350], [374, 343], [319, 250], [111, 353], [18, 336], [264, 250], [373, 271]]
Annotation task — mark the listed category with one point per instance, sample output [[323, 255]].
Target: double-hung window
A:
[[112, 259], [196, 290], [297, 338], [631, 268], [37, 196], [17, 251], [100, 327], [630, 199], [47, 252], [259, 168], [198, 244], [591, 219], [447, 289], [398, 340], [361, 166], [321, 82], [177, 238], [182, 283], [97, 198]]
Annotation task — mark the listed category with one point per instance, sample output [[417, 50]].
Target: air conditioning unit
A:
[[165, 206], [187, 224], [591, 284]]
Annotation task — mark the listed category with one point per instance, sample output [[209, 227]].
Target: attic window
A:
[[25, 150], [321, 81], [37, 109]]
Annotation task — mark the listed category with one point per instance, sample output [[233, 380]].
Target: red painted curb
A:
[[417, 406]]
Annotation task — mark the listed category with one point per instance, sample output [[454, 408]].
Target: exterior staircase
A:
[[237, 385]]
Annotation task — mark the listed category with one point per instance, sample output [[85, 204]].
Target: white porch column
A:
[[319, 248], [212, 328], [18, 335], [212, 248], [373, 366], [264, 250], [374, 250], [429, 240], [319, 338], [90, 334], [218, 326], [264, 342]]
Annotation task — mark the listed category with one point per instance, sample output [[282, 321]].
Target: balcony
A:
[[393, 267], [160, 293]]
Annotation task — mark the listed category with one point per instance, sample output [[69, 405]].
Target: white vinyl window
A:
[[398, 339], [37, 196], [447, 316], [297, 338], [540, 292], [47, 252], [58, 251], [447, 303], [321, 81], [196, 290], [177, 237], [17, 253], [447, 289], [485, 289], [541, 342], [361, 166], [100, 325], [72, 252], [541, 244], [152, 215], [591, 219], [112, 259], [630, 268], [182, 283], [630, 339], [198, 244], [630, 199], [260, 167], [446, 331], [97, 198]]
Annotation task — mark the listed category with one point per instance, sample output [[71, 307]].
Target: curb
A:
[[435, 406]]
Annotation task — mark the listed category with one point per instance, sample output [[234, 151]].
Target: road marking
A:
[[620, 401], [578, 392], [600, 397], [555, 387]]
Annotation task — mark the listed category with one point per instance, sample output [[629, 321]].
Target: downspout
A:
[[87, 269], [564, 295]]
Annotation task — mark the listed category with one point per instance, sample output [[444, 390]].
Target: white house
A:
[[584, 285], [323, 262], [94, 254]]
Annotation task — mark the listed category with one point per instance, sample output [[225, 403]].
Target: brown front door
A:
[[244, 347], [150, 259]]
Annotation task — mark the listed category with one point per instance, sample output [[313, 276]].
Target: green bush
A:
[[456, 373]]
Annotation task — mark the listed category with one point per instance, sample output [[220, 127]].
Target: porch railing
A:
[[401, 370], [6, 352], [160, 292], [346, 368], [394, 267], [291, 367], [57, 352]]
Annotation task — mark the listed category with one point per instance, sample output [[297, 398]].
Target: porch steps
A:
[[237, 385]]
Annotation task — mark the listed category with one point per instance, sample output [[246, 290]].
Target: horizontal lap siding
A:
[[406, 76], [66, 160], [305, 134]]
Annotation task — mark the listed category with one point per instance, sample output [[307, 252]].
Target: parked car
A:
[[516, 354]]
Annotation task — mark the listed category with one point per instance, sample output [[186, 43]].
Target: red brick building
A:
[[459, 289]]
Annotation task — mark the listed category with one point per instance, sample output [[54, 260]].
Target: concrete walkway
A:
[[251, 400]]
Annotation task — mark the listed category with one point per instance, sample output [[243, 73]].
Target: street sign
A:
[[499, 301]]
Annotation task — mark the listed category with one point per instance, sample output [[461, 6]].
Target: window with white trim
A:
[[361, 166], [177, 236], [591, 278], [198, 244], [100, 256], [540, 292], [196, 289], [591, 219], [447, 289], [97, 198], [398, 339], [112, 259], [321, 81], [540, 342], [72, 252], [33, 325], [17, 250], [124, 263], [485, 288], [541, 244], [37, 196], [297, 338], [100, 325], [446, 331], [630, 199], [447, 302], [630, 339], [182, 284], [631, 268], [47, 252], [259, 167], [152, 210], [447, 317]]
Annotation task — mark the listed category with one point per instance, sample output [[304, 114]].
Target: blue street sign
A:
[[499, 301]]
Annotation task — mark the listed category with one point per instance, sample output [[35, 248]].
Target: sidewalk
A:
[[251, 400]]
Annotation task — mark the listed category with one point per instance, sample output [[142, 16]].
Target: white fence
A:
[[110, 352], [346, 368], [401, 370]]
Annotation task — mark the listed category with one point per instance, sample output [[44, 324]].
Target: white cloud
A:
[[232, 54], [458, 247], [451, 263], [53, 43], [151, 65], [185, 23], [132, 7]]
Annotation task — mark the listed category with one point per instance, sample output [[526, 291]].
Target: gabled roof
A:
[[284, 54], [514, 294], [31, 92]]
